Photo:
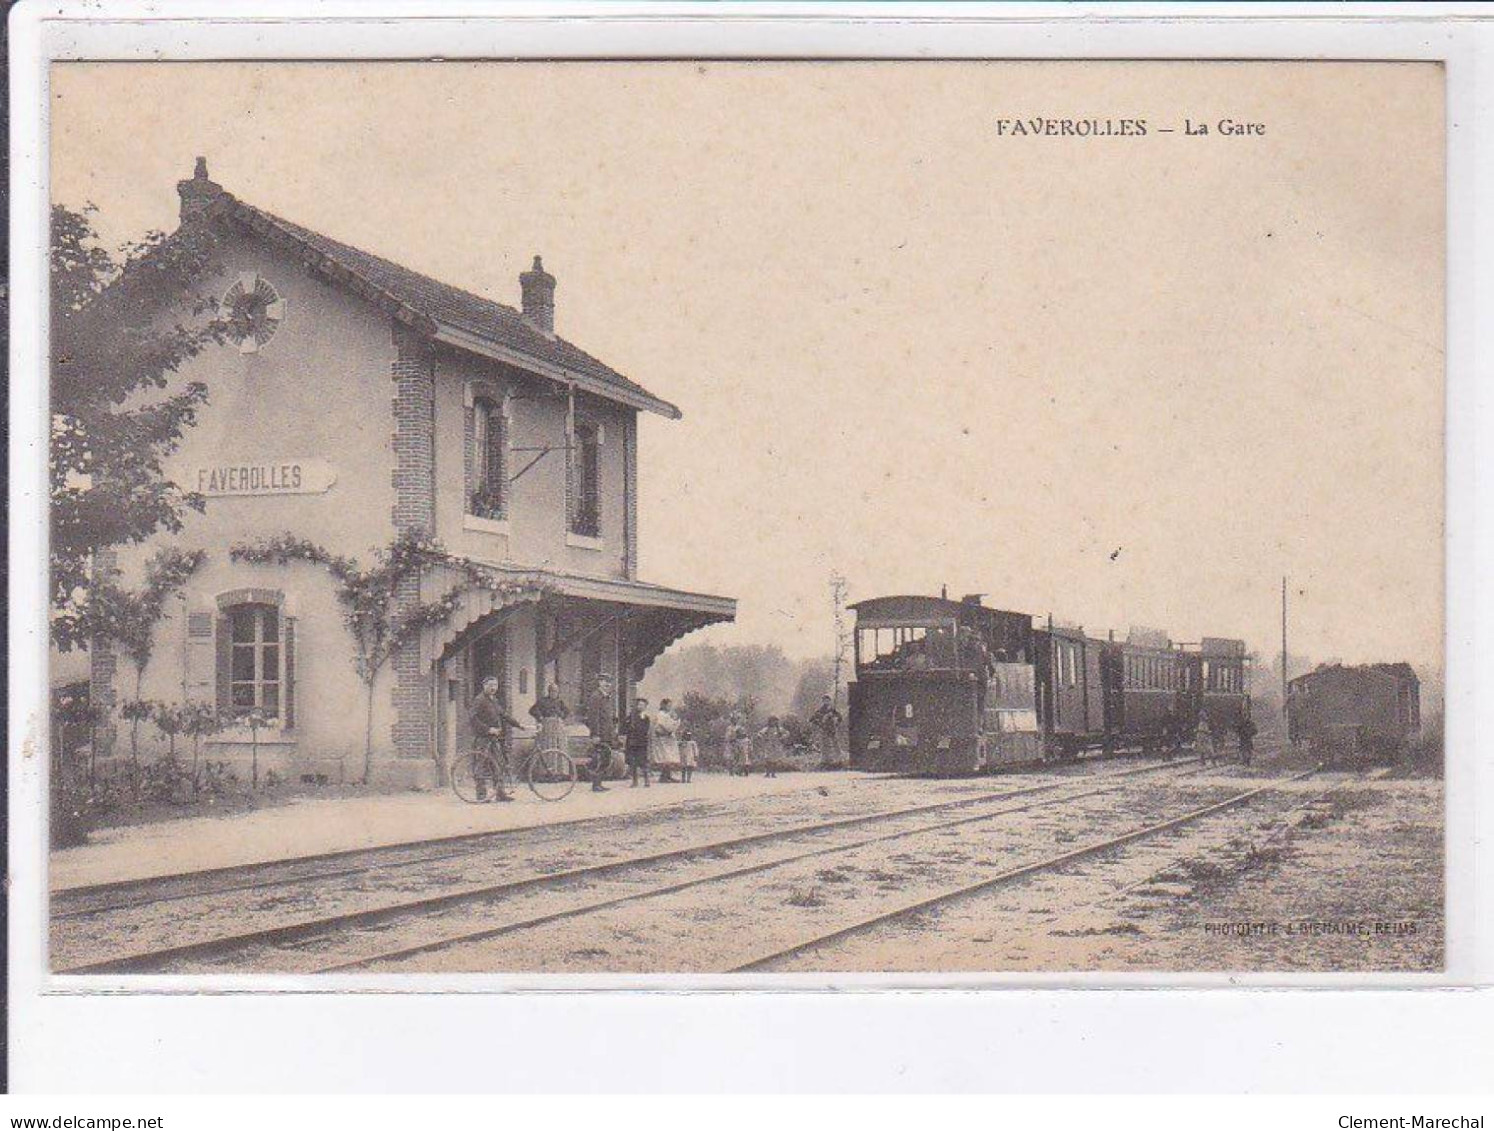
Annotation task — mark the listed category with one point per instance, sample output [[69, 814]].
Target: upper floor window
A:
[[586, 480], [489, 474], [254, 663]]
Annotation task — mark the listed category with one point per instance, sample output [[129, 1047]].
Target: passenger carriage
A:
[[1350, 715], [952, 687]]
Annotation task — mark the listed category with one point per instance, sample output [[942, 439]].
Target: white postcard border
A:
[[43, 1005]]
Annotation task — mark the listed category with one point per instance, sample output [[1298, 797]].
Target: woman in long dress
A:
[[772, 745], [665, 751], [551, 713]]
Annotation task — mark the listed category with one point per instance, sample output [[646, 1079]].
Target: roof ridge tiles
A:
[[433, 304]]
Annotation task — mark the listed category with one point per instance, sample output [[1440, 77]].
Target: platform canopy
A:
[[648, 618]]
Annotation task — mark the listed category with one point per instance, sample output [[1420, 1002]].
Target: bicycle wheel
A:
[[470, 769], [552, 774]]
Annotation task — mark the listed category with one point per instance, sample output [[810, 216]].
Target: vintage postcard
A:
[[727, 517]]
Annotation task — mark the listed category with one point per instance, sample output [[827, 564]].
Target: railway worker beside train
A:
[[826, 723], [637, 731], [601, 720], [1203, 742], [938, 645], [974, 655], [1246, 729], [1174, 734], [492, 722]]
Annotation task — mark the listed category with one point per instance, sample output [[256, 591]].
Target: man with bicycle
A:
[[495, 726]]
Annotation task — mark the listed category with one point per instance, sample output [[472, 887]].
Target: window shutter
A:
[[481, 418], [200, 659], [289, 645], [225, 668], [570, 477], [492, 473], [469, 456]]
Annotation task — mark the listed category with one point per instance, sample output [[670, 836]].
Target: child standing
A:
[[739, 744]]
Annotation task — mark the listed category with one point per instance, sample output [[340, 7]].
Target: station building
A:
[[357, 400]]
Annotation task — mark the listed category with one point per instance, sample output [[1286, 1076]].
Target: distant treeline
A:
[[755, 677]]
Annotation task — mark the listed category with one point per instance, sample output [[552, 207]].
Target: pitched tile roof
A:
[[441, 307]]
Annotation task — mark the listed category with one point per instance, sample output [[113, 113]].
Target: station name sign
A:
[[263, 477]]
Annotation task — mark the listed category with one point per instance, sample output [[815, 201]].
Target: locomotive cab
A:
[[913, 703], [937, 684]]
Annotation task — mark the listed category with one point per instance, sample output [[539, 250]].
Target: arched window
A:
[[255, 676], [489, 474]]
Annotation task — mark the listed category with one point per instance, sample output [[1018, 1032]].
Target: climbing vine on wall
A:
[[381, 604]]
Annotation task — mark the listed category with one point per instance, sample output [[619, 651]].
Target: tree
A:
[[114, 351], [705, 718], [128, 619], [380, 604], [198, 721], [816, 679]]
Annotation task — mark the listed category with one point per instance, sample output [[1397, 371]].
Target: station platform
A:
[[311, 826]]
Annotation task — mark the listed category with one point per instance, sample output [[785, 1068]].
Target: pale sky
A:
[[906, 346]]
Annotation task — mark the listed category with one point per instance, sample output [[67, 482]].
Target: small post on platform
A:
[[838, 596]]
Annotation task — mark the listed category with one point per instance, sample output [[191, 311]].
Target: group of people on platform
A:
[[651, 742], [773, 742]]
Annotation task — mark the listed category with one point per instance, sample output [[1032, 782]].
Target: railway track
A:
[[1082, 911], [89, 900], [318, 929], [596, 907], [763, 960]]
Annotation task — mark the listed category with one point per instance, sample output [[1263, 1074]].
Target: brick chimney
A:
[[198, 193], [538, 288]]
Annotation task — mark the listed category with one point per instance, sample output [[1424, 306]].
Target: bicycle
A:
[[550, 773]]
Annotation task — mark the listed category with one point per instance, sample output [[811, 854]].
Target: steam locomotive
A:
[[949, 687]]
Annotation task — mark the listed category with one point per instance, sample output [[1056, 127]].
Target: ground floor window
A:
[[254, 676]]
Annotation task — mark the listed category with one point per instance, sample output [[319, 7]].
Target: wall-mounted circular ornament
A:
[[254, 310]]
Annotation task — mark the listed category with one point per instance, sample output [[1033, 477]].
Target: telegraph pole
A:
[[838, 597], [1284, 654]]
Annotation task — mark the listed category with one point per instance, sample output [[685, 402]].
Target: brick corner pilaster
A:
[[414, 480]]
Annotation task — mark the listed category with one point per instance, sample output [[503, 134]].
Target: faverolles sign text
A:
[[262, 477]]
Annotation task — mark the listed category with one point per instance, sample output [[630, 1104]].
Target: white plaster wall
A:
[[537, 515], [321, 388]]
